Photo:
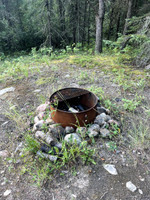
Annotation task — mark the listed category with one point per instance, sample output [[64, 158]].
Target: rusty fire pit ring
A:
[[65, 97]]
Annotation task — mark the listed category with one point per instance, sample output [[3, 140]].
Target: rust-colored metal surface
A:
[[63, 99]]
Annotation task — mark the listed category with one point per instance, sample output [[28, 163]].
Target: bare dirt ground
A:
[[90, 182]]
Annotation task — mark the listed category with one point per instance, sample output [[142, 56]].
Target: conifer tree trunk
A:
[[48, 41], [89, 17], [84, 23], [99, 27], [128, 16]]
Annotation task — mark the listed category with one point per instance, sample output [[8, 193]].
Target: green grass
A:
[[42, 169]]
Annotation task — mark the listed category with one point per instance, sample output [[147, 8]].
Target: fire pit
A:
[[73, 107]]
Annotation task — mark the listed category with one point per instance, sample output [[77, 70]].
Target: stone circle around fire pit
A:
[[50, 135]]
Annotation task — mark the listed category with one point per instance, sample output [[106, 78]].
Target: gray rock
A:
[[19, 147], [111, 121], [36, 119], [4, 153], [104, 132], [6, 193], [67, 76], [42, 108], [38, 125], [101, 110], [107, 118], [93, 133], [47, 156], [94, 127], [81, 131], [100, 119], [58, 145], [93, 130], [5, 90], [49, 121], [140, 191], [111, 169], [49, 140], [69, 129], [131, 186], [40, 135], [5, 123], [57, 131], [72, 138], [147, 67], [105, 125], [37, 91], [41, 115]]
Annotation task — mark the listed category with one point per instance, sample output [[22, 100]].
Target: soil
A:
[[91, 182]]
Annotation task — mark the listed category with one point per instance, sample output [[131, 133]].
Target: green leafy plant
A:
[[32, 145], [112, 146], [114, 131], [131, 105]]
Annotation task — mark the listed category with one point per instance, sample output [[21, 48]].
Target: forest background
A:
[[66, 24]]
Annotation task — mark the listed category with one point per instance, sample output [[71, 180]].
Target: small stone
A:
[[147, 67], [58, 145], [5, 90], [72, 138], [131, 186], [36, 119], [39, 124], [108, 118], [49, 140], [101, 110], [6, 193], [41, 115], [40, 135], [37, 91], [49, 121], [19, 147], [107, 111], [93, 134], [142, 179], [99, 120], [111, 121], [140, 191], [67, 76], [5, 123], [57, 131], [81, 131], [93, 130], [69, 129], [52, 158], [104, 132], [94, 127], [4, 153], [111, 169], [3, 183], [47, 156], [41, 108]]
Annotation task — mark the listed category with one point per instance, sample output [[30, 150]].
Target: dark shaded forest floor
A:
[[91, 182]]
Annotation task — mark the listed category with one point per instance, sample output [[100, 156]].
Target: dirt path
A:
[[90, 182]]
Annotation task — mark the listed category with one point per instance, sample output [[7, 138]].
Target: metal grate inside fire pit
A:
[[73, 107]]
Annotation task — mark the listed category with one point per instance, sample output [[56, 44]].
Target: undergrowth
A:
[[70, 156]]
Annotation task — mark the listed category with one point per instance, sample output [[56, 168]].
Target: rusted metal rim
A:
[[96, 100], [65, 97]]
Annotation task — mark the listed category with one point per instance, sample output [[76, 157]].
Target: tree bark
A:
[[128, 16], [99, 27], [110, 23], [48, 41], [84, 23], [89, 17], [117, 25]]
